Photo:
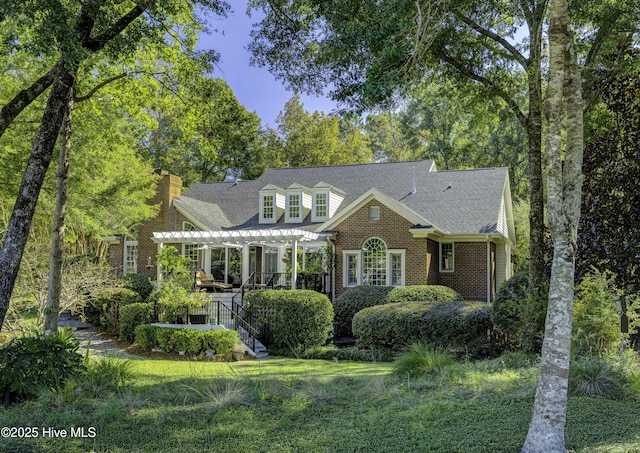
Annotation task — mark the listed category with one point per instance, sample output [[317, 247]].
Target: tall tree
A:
[[564, 114], [370, 51], [306, 139], [72, 31]]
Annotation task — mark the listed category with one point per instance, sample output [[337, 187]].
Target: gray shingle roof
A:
[[458, 201]]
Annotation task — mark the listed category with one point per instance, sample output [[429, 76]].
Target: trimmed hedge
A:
[[423, 293], [132, 316], [140, 283], [354, 300], [293, 320], [459, 326], [193, 342]]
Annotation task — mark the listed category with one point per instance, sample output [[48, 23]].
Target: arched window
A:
[[374, 262]]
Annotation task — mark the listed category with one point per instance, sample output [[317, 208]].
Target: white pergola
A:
[[244, 239]]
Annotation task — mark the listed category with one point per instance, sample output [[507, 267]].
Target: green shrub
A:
[[195, 342], [518, 316], [422, 358], [294, 320], [106, 303], [453, 325], [423, 293], [188, 340], [220, 342], [354, 300], [28, 364], [108, 374], [594, 376], [131, 316], [331, 352], [139, 283], [596, 324], [146, 337]]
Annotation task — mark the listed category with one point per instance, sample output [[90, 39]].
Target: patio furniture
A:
[[207, 282]]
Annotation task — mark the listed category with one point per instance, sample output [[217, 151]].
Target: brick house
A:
[[397, 223]]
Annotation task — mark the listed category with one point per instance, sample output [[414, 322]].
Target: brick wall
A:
[[469, 277], [391, 228]]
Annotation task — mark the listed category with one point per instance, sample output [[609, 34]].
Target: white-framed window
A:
[[130, 265], [294, 207], [321, 205], [374, 264], [268, 208], [190, 250], [446, 257], [374, 213]]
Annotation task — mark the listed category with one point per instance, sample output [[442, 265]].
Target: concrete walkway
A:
[[98, 346]]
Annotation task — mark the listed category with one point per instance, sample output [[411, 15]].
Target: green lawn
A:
[[287, 405]]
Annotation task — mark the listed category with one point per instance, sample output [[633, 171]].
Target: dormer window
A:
[[271, 204], [321, 205], [293, 207]]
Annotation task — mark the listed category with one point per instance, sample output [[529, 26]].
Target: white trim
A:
[[359, 256], [272, 236], [288, 218], [314, 205], [126, 245], [402, 253], [345, 267], [453, 257], [274, 211]]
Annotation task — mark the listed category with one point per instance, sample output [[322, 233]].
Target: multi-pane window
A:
[[352, 269], [191, 252], [374, 262], [294, 206], [321, 204], [396, 269], [131, 259], [446, 256], [268, 207]]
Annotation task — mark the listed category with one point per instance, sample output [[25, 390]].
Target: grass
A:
[[317, 406]]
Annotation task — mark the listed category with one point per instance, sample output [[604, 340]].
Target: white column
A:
[[294, 262], [159, 268], [245, 262]]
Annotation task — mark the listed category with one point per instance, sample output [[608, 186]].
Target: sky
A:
[[254, 87]]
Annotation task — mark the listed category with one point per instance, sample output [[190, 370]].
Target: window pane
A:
[[131, 259], [191, 252], [352, 270], [446, 263], [321, 204], [294, 206], [396, 269], [374, 262], [267, 207]]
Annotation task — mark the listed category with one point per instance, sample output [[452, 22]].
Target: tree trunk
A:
[[39, 160], [52, 306], [564, 185]]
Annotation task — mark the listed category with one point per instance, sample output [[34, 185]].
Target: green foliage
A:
[[221, 342], [596, 324], [352, 301], [294, 320], [140, 283], [108, 374], [594, 376], [331, 352], [193, 342], [146, 337], [28, 364], [176, 268], [423, 293], [131, 316], [104, 305], [461, 326], [517, 316], [174, 302], [422, 358]]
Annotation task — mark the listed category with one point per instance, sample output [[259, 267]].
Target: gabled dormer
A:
[[297, 203], [325, 201], [272, 203]]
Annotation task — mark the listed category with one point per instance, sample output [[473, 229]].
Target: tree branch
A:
[[493, 36], [489, 84], [96, 44], [25, 97], [106, 82]]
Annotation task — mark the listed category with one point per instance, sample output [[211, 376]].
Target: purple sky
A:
[[254, 87]]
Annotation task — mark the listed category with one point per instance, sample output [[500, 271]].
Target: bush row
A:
[[460, 326], [361, 297], [102, 308], [293, 320], [193, 342]]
